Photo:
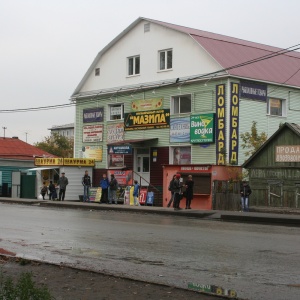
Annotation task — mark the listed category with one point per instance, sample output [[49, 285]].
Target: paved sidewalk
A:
[[261, 215]]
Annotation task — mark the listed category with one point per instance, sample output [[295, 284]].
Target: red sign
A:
[[143, 196], [124, 178]]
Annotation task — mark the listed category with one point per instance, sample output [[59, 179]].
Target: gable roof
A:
[[283, 67], [292, 126], [13, 148]]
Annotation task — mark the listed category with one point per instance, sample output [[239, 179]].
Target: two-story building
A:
[[162, 98]]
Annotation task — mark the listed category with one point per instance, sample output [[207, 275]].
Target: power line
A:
[[203, 76]]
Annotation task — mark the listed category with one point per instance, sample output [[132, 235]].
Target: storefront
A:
[[203, 177], [50, 169]]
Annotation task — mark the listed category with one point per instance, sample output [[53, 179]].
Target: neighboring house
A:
[[162, 94], [66, 130], [274, 169], [17, 156]]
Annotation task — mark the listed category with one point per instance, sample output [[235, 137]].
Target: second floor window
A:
[[181, 104], [276, 107], [133, 65], [165, 59], [116, 112]]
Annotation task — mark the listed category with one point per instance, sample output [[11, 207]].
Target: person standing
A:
[[136, 190], [52, 191], [177, 192], [171, 189], [104, 184], [245, 193], [62, 182], [86, 182], [44, 190], [113, 185], [189, 191]]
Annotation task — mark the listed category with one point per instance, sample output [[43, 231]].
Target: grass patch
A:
[[23, 289]]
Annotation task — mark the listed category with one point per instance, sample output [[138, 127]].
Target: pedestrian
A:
[[104, 184], [189, 191], [86, 182], [136, 190], [177, 192], [62, 182], [52, 191], [171, 189], [113, 185], [44, 190], [245, 193]]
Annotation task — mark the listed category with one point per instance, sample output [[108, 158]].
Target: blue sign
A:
[[253, 90], [93, 115], [180, 130], [121, 149]]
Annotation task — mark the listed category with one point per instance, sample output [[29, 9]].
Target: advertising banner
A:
[[92, 115], [154, 119], [122, 149], [95, 194], [92, 133], [202, 129], [79, 162], [116, 160], [149, 104], [220, 125], [182, 155], [48, 161], [124, 178], [255, 91], [94, 152], [234, 124], [115, 133], [180, 130]]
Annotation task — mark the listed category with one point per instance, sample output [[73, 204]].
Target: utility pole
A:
[[4, 130]]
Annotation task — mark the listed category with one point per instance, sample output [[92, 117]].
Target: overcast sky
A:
[[46, 46]]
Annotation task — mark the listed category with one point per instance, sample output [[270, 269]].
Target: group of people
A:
[[51, 189], [179, 190]]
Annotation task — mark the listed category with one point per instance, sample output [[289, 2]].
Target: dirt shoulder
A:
[[67, 283]]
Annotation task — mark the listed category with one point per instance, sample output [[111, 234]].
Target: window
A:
[[165, 60], [276, 107], [116, 112], [133, 65], [147, 27], [97, 72], [181, 104]]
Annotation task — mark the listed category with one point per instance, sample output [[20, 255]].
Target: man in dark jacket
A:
[[245, 193], [62, 182], [86, 182], [177, 192]]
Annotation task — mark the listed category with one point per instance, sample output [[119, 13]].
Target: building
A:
[[66, 130], [16, 157], [274, 169], [160, 94]]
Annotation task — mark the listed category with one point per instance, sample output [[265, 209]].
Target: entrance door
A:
[[142, 166]]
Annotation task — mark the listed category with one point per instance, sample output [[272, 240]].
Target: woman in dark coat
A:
[[189, 191]]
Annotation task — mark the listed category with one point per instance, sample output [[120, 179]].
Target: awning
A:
[[40, 169], [136, 141]]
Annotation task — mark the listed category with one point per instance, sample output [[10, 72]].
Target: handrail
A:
[[149, 184]]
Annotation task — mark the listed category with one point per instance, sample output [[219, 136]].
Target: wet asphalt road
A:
[[257, 261]]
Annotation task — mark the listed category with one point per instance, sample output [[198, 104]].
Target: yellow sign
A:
[[48, 161], [149, 104], [64, 162], [87, 162]]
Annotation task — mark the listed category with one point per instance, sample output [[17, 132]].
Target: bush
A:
[[24, 289]]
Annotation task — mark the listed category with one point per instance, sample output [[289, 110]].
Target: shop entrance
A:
[[142, 166]]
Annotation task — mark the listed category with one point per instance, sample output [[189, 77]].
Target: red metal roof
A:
[[229, 51], [13, 148]]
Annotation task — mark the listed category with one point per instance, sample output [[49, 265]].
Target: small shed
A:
[[274, 169]]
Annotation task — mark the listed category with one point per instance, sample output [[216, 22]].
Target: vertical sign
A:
[[220, 125], [234, 123]]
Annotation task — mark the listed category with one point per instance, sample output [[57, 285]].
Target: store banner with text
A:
[[115, 133], [202, 128], [220, 125], [94, 152], [146, 104], [92, 133], [234, 123], [92, 115], [180, 130], [154, 119]]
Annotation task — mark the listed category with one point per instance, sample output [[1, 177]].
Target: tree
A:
[[57, 144], [252, 140]]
